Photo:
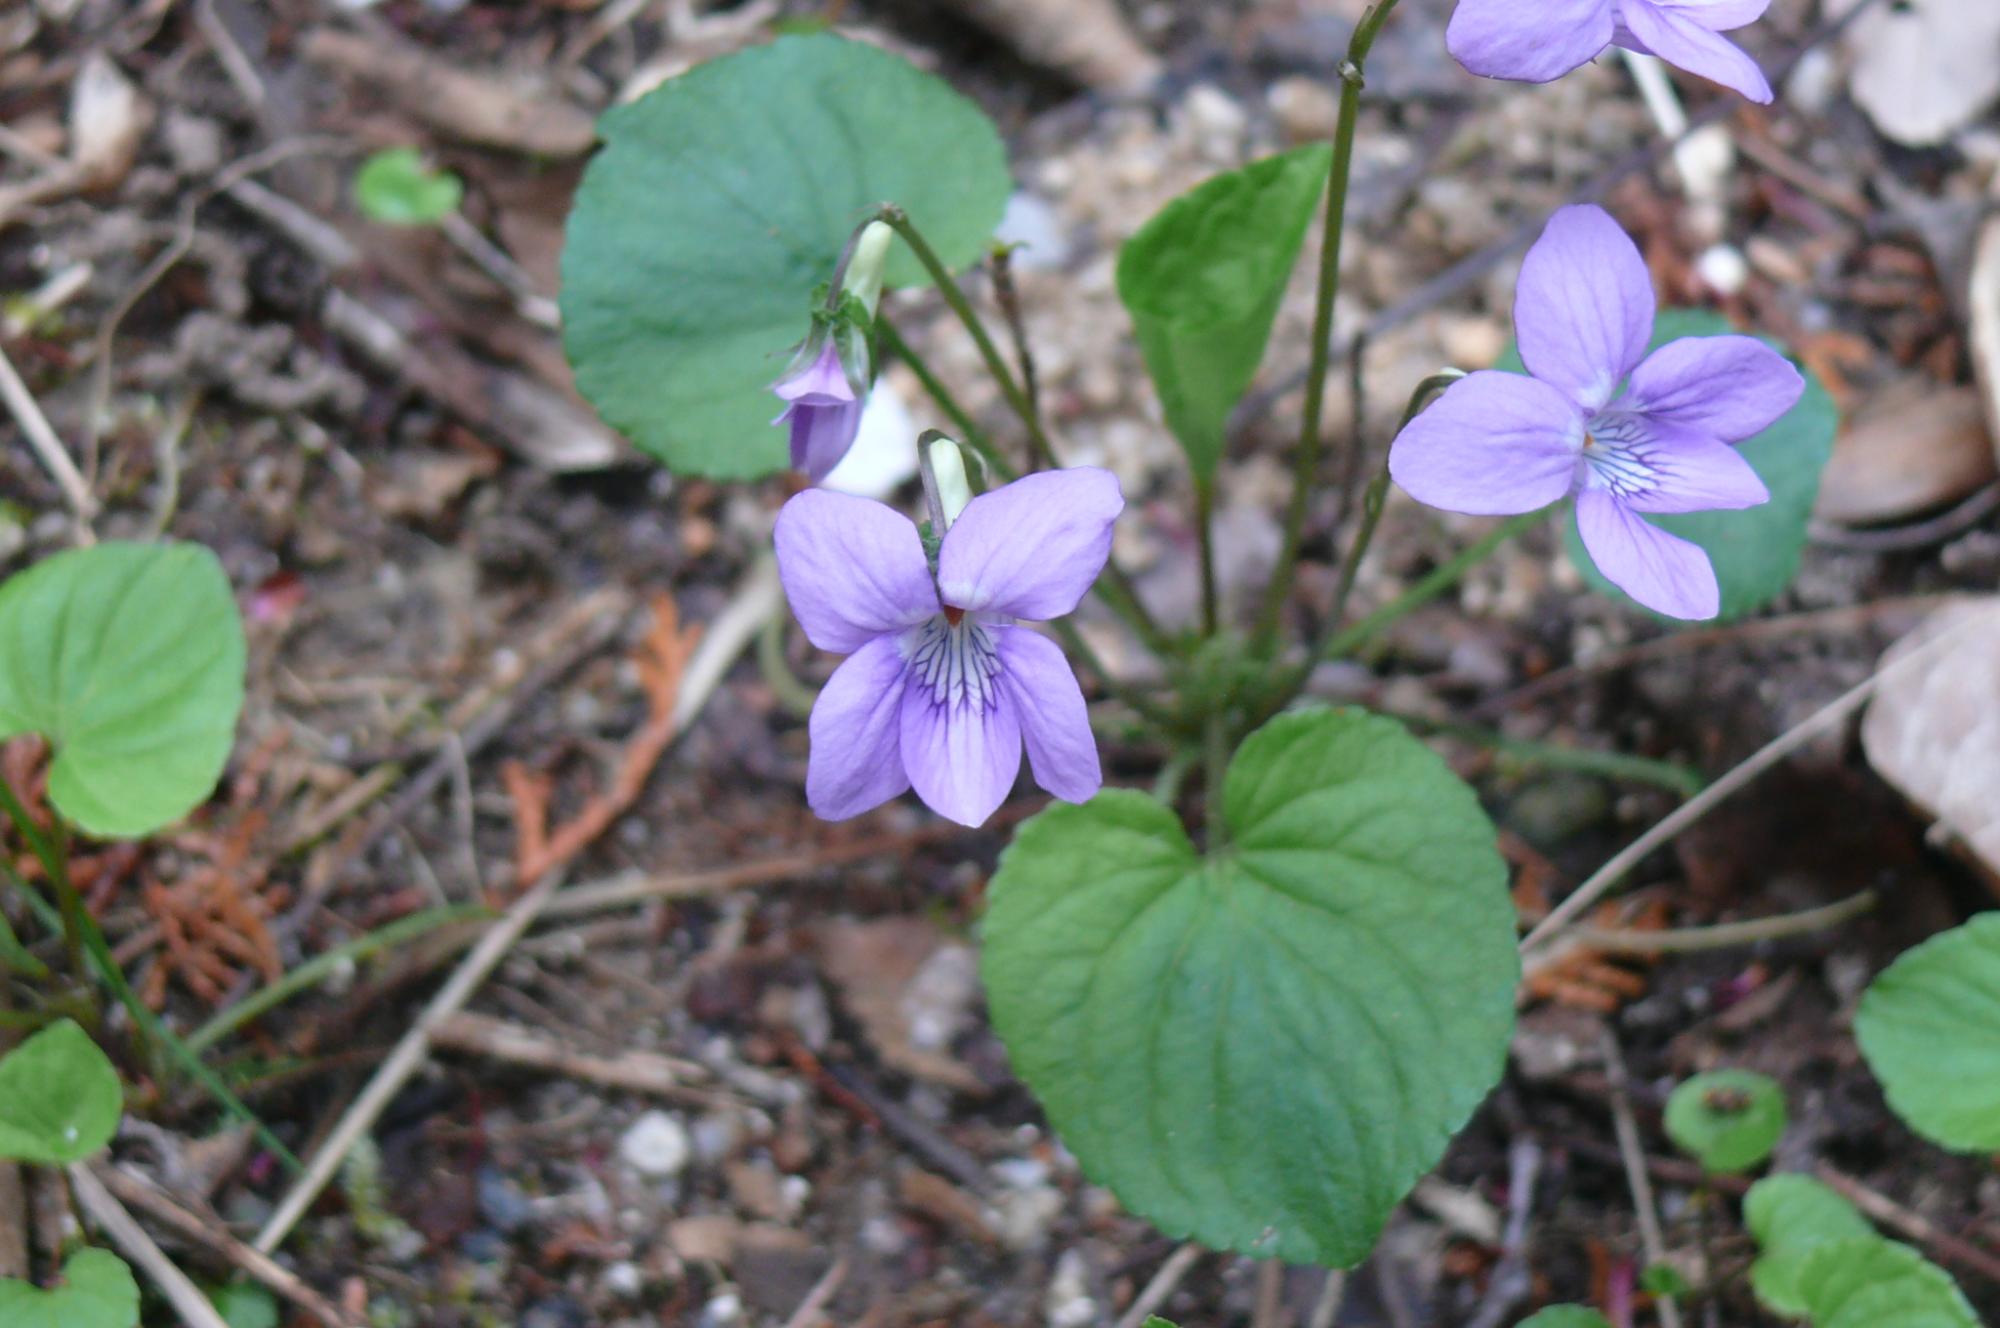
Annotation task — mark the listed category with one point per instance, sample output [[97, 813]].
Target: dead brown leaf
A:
[[1933, 730]]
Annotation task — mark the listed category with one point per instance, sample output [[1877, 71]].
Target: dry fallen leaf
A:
[[908, 985], [1088, 40], [1983, 313], [1914, 446], [1933, 729], [1923, 69]]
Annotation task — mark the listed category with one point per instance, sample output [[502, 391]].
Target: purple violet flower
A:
[[1538, 41], [1497, 444], [941, 685], [823, 408]]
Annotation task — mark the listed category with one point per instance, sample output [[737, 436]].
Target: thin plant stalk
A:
[[968, 433], [1114, 587], [1204, 521], [1216, 757], [1306, 459], [52, 853]]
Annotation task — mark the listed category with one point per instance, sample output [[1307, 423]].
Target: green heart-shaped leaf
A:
[[1791, 1216], [129, 659], [722, 199], [398, 187], [1728, 1120], [1266, 1047], [1203, 280], [1755, 551], [1868, 1282], [1930, 1028], [97, 1292], [59, 1098]]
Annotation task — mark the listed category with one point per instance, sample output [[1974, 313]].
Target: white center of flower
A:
[[957, 661], [1619, 459]]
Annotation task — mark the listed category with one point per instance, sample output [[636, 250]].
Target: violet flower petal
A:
[[962, 758], [1729, 387], [1676, 36], [821, 435], [1665, 573], [1696, 474], [856, 758], [1529, 41], [1493, 445], [823, 380], [1054, 721], [1715, 15], [1583, 310], [1032, 548], [852, 568]]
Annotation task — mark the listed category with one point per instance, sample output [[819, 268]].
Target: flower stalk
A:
[[1306, 459]]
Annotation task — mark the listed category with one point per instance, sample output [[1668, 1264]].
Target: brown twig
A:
[[664, 654], [631, 1071], [189, 1305], [155, 1203], [1921, 1229], [1636, 1177], [1177, 1266]]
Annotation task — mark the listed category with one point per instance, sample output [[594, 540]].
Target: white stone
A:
[[656, 1145]]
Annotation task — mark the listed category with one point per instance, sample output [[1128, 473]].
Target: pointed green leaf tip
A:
[[1930, 1028], [722, 199], [1203, 280], [97, 1292], [1727, 1120], [1566, 1316], [129, 659], [1155, 1321], [59, 1098], [1264, 1048]]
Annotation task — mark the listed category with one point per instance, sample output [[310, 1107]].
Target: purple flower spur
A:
[[1538, 41], [1500, 443], [942, 686]]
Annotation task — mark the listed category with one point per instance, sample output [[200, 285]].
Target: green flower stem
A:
[[968, 433], [1040, 453], [1306, 460], [1204, 521], [1114, 587], [15, 957], [1669, 775], [1438, 580], [1216, 751], [51, 852], [794, 696], [317, 969]]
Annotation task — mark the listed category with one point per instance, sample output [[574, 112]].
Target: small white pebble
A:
[[656, 1145], [1724, 268]]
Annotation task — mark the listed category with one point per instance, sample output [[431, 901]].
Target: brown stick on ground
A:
[[634, 1071], [155, 1203], [1921, 1229], [541, 850]]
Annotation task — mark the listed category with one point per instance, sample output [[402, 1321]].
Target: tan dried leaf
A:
[[1933, 729]]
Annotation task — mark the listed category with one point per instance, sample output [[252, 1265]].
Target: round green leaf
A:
[[128, 658], [1728, 1120], [1868, 1282], [398, 187], [1203, 280], [1266, 1047], [1755, 551], [722, 199], [59, 1098], [1930, 1028], [1791, 1216], [97, 1292], [1566, 1316]]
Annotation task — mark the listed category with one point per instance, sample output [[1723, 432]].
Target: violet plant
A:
[[1258, 1016]]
